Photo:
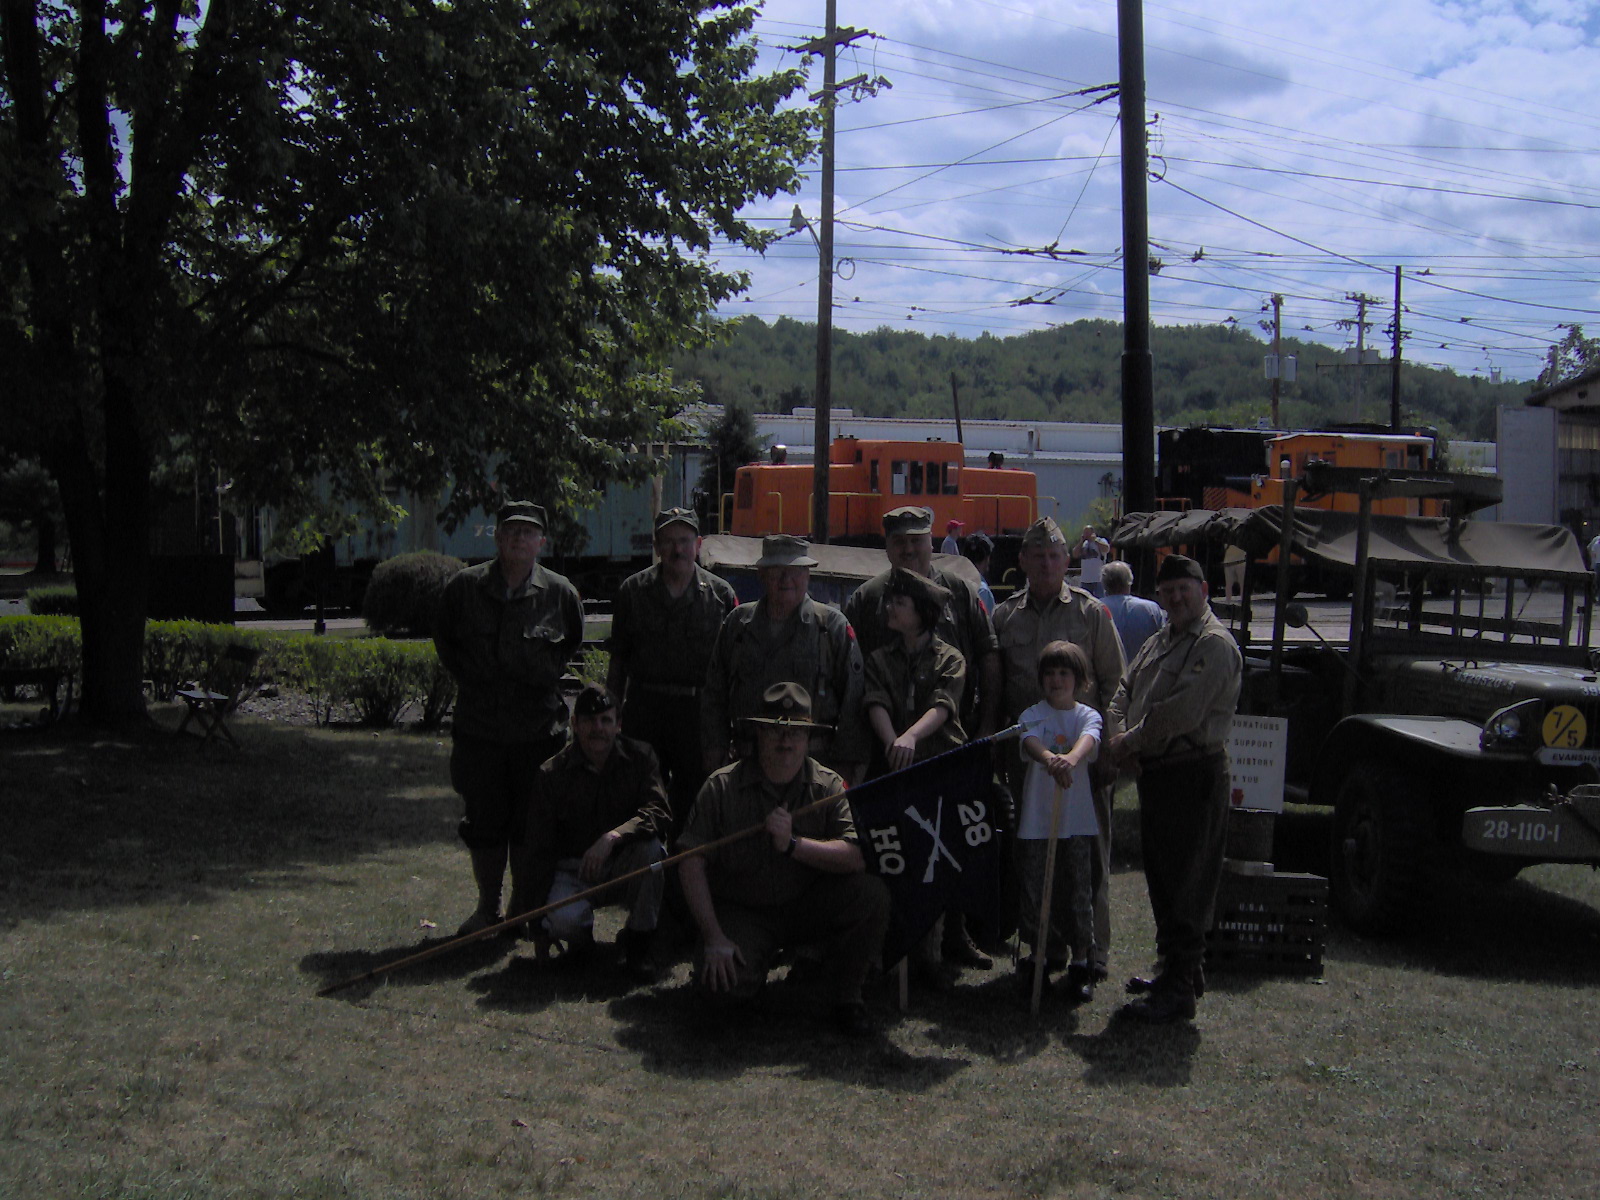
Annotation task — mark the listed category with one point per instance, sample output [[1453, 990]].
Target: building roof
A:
[[1578, 392]]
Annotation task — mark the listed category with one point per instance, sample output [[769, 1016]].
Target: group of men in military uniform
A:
[[734, 716]]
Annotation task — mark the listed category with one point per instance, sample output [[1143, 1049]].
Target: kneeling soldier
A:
[[801, 882], [599, 810]]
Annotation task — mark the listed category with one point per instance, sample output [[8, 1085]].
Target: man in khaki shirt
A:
[[1175, 709], [1050, 609]]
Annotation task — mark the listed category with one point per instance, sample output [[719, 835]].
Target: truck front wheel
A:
[[1381, 847]]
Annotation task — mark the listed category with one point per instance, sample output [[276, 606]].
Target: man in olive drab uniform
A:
[[786, 637], [1175, 709], [599, 810], [1050, 609], [964, 624], [800, 881], [663, 625], [908, 542], [505, 632]]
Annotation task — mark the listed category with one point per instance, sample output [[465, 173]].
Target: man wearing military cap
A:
[[908, 543], [506, 629], [786, 636], [598, 811], [1050, 609], [1174, 710], [801, 881], [663, 624]]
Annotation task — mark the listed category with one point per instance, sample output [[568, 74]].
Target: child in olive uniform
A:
[[913, 700], [1060, 738], [914, 684]]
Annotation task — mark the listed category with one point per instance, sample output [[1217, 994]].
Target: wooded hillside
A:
[[1203, 375]]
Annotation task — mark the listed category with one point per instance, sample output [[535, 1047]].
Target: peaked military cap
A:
[[522, 510], [909, 518]]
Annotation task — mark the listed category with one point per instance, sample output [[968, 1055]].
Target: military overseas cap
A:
[[785, 550], [593, 701], [684, 516], [909, 518], [1176, 566], [785, 706], [522, 510], [928, 596], [1043, 532]]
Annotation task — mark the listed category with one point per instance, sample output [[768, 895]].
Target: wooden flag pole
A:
[[1042, 937]]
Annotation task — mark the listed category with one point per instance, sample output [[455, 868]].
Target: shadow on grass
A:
[[677, 1031], [94, 821], [1127, 1051], [335, 967]]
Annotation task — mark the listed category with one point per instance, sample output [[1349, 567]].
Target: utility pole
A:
[[1277, 354], [1361, 300], [1394, 360], [1138, 366], [833, 37]]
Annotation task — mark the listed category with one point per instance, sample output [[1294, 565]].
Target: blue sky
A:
[[1301, 149]]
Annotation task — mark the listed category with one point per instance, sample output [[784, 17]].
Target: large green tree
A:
[[339, 241]]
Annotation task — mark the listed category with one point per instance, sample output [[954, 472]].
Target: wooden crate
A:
[[1274, 922]]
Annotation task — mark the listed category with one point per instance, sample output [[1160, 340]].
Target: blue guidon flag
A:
[[929, 833]]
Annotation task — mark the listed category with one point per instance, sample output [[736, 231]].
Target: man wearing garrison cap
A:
[[1050, 609], [663, 625], [1174, 710], [505, 631], [786, 637]]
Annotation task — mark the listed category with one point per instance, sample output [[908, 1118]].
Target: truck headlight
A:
[[1512, 727]]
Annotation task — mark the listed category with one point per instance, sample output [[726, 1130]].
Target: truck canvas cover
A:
[[1425, 543]]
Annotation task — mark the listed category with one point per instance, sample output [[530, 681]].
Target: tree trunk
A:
[[108, 520]]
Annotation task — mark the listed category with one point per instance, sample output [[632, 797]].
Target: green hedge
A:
[[403, 595], [376, 676], [57, 600]]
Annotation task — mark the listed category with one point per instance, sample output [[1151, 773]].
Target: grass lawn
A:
[[167, 917]]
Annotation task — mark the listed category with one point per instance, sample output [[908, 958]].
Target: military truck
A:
[[1452, 730]]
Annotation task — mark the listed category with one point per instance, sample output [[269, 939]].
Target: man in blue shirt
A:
[[1135, 618]]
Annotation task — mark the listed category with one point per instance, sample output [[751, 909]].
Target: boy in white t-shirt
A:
[[1060, 738]]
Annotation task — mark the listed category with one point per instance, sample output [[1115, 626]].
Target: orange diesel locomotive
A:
[[867, 478]]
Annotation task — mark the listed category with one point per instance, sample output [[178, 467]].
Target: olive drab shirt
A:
[[574, 804], [658, 638], [906, 685], [815, 648], [507, 653], [964, 624], [1073, 616], [1180, 690], [750, 871]]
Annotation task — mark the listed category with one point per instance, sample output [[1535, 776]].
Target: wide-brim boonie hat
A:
[[785, 550], [785, 706]]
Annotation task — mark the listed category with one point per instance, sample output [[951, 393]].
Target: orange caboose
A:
[[867, 478]]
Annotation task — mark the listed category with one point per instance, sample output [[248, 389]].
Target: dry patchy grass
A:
[[167, 918]]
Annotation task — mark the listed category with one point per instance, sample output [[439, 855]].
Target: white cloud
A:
[[1453, 139]]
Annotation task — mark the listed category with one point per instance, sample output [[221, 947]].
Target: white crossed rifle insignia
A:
[[938, 842]]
